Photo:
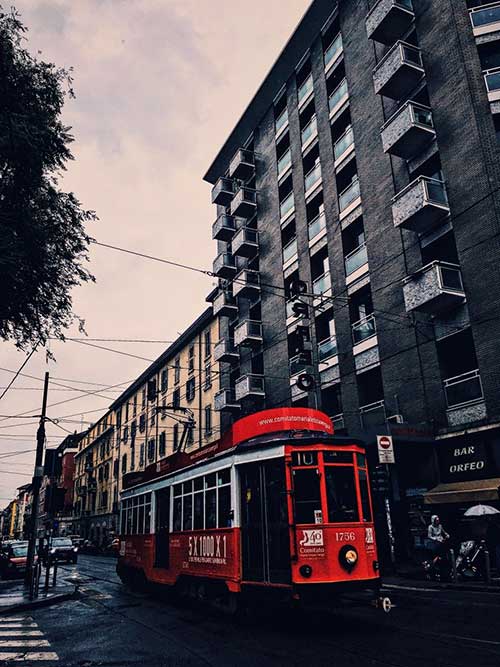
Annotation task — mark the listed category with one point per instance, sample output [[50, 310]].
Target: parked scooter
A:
[[470, 559], [439, 566]]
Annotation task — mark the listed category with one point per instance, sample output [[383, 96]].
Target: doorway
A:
[[162, 528]]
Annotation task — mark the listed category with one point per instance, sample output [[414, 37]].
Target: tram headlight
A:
[[306, 571], [348, 557]]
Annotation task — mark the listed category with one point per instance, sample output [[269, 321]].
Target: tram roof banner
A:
[[279, 420]]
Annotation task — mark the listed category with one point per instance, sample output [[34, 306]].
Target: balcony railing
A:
[[312, 177], [284, 163], [355, 259], [245, 242], [327, 348], [338, 422], [437, 287], [287, 205], [309, 131], [408, 131], [299, 364], [224, 266], [249, 386], [420, 205], [316, 226], [492, 81], [349, 195], [290, 250], [399, 71], [388, 20], [334, 51], [372, 415], [244, 202], [305, 89], [343, 144], [246, 283], [224, 305], [338, 97], [242, 165], [222, 192], [363, 329], [248, 333], [322, 284], [224, 350], [281, 122], [485, 19], [225, 399], [463, 389], [223, 228]]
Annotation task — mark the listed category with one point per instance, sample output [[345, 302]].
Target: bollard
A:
[[487, 564], [54, 577], [453, 566], [38, 574], [47, 574]]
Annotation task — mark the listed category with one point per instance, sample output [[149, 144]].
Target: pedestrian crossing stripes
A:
[[22, 641]]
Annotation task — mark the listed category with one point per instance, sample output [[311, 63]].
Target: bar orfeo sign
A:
[[464, 460]]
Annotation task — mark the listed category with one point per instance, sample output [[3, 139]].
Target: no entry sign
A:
[[385, 449]]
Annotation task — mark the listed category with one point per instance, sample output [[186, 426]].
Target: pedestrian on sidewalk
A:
[[437, 535]]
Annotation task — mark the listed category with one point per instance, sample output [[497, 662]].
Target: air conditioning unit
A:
[[395, 419]]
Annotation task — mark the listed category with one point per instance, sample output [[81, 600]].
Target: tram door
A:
[[264, 522], [161, 528]]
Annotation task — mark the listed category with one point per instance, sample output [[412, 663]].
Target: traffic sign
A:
[[385, 449]]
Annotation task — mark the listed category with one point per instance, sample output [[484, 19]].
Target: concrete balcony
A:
[[316, 227], [420, 205], [344, 146], [349, 199], [399, 71], [408, 131], [322, 284], [244, 202], [222, 192], [247, 284], [248, 333], [388, 20], [333, 52], [338, 98], [327, 348], [372, 415], [356, 262], [223, 228], [287, 207], [224, 305], [312, 179], [486, 19], [281, 123], [224, 266], [225, 401], [249, 386], [464, 398], [242, 165], [309, 133], [245, 242], [290, 252], [492, 82], [225, 351], [364, 329], [437, 287], [305, 91]]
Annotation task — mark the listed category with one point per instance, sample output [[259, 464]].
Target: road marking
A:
[[24, 633], [20, 626], [410, 588], [26, 657], [21, 643]]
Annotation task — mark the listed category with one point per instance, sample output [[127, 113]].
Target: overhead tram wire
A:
[[18, 372]]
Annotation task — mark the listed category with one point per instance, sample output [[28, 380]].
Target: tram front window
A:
[[341, 494], [307, 495]]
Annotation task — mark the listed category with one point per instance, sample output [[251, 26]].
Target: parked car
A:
[[13, 560], [112, 548], [77, 540], [62, 549]]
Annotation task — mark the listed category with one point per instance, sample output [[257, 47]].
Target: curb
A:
[[35, 604], [436, 586]]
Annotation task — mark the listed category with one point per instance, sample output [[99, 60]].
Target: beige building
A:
[[171, 405]]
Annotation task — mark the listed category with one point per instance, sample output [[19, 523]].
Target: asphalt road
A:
[[111, 626]]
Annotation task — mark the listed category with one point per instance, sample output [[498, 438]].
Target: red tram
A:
[[278, 505]]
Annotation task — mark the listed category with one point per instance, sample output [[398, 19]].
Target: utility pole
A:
[[37, 481]]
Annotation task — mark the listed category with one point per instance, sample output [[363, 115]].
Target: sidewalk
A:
[[14, 596], [412, 581]]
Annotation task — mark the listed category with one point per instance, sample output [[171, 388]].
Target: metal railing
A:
[[322, 284], [312, 176], [298, 364], [345, 142], [281, 121], [482, 16], [350, 194], [316, 226], [363, 329], [338, 422], [434, 190], [327, 348], [305, 88], [224, 259], [338, 94], [287, 204], [290, 250], [355, 259], [284, 162], [463, 389], [248, 384], [372, 414], [408, 54], [334, 50], [492, 80], [310, 130]]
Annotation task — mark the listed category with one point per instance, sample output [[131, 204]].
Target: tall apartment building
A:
[[171, 404], [357, 229]]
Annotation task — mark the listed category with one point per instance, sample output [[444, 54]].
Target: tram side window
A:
[[203, 503], [341, 494], [307, 494], [136, 515], [365, 497]]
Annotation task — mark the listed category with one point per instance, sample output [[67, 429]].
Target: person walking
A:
[[436, 535]]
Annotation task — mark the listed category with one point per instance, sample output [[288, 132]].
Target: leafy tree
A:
[[43, 242]]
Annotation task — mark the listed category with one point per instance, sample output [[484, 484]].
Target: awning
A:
[[463, 492]]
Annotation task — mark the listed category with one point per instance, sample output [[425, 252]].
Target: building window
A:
[[126, 412], [176, 398], [100, 474], [125, 434], [177, 370], [208, 344], [162, 444], [142, 423], [189, 436], [176, 436], [191, 359], [116, 466], [124, 464], [134, 406], [164, 408], [208, 377], [151, 450], [141, 455], [106, 471], [118, 418], [143, 398], [164, 380], [190, 389], [152, 418], [208, 420], [133, 431], [132, 456]]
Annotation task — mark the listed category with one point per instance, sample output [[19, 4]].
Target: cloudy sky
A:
[[159, 86]]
